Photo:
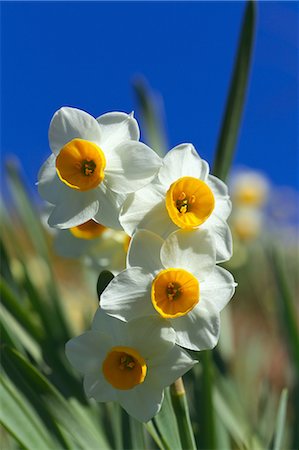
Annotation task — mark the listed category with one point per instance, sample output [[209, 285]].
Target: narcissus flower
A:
[[130, 363], [183, 196], [100, 247], [95, 163], [175, 279]]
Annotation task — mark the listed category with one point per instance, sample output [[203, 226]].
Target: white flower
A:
[[249, 188], [176, 279], [130, 363], [185, 196], [100, 247], [95, 163]]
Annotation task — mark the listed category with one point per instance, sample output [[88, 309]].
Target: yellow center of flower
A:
[[80, 165], [189, 202], [124, 368], [174, 293], [88, 230]]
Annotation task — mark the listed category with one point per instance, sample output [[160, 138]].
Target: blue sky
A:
[[85, 54]]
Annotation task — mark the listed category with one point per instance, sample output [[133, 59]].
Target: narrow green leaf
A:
[[181, 409], [150, 117], [236, 97], [21, 421], [137, 434], [49, 402], [286, 305], [104, 279], [280, 421], [12, 304], [167, 425], [149, 426], [207, 387]]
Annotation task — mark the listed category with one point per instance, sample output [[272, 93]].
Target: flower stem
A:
[[180, 406]]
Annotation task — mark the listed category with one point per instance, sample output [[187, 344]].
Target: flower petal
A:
[[219, 188], [170, 366], [131, 166], [85, 351], [110, 326], [117, 127], [110, 204], [144, 251], [128, 295], [68, 246], [192, 250], [223, 238], [70, 123], [142, 402], [152, 336], [217, 289], [96, 386], [146, 209], [199, 329], [75, 208], [181, 161], [50, 187]]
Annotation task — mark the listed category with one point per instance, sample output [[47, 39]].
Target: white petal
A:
[[117, 127], [199, 329], [223, 238], [217, 289], [68, 246], [192, 250], [96, 386], [131, 166], [50, 187], [85, 351], [170, 367], [75, 208], [110, 326], [110, 205], [222, 208], [146, 210], [152, 336], [70, 123], [144, 251], [128, 295], [219, 188], [182, 161], [142, 402]]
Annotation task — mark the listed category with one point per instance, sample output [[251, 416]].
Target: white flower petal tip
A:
[[128, 363]]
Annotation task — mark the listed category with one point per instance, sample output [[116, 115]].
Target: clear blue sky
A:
[[85, 54]]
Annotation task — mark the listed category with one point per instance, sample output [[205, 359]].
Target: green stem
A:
[[208, 417], [180, 406]]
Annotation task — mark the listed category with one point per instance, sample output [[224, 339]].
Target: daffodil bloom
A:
[[129, 363], [249, 188], [183, 196], [176, 279], [99, 246], [95, 163]]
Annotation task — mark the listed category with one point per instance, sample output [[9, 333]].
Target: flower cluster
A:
[[169, 296]]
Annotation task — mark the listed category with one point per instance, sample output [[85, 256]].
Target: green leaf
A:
[[181, 409], [167, 425], [150, 116], [236, 97], [50, 404], [104, 279], [207, 387], [137, 434], [280, 421], [21, 421]]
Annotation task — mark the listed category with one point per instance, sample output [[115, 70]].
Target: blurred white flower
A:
[[249, 188], [246, 223], [100, 247], [176, 279], [130, 363], [95, 163], [183, 195]]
